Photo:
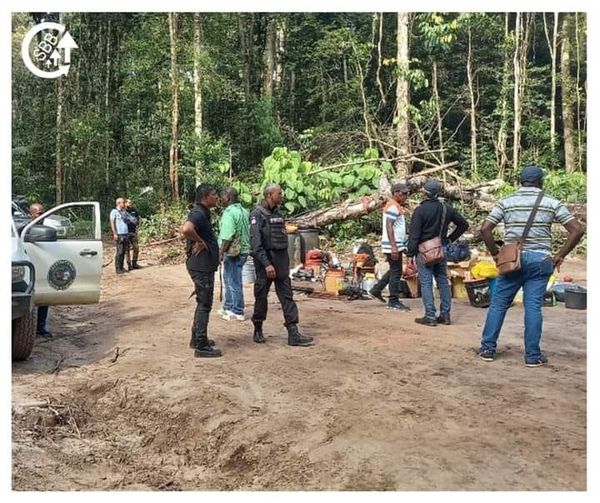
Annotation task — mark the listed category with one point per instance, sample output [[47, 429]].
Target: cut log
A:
[[477, 196], [360, 207]]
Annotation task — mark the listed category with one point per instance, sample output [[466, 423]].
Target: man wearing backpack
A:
[[234, 239], [528, 215], [430, 222]]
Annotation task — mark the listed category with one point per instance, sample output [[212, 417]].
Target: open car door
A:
[[68, 262]]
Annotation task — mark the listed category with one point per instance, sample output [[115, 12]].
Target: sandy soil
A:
[[379, 403]]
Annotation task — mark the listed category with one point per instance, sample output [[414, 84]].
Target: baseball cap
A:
[[400, 187], [532, 174], [432, 187]]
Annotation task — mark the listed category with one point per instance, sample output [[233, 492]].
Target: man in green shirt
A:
[[234, 246]]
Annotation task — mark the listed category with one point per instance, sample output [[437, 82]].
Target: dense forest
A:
[[156, 102]]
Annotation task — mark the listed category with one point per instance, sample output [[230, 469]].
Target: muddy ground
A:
[[379, 403]]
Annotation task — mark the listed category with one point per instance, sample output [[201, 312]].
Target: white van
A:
[[51, 269]]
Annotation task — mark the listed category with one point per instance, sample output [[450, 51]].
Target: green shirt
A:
[[235, 220]]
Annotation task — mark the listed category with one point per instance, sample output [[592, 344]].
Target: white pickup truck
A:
[[52, 269]]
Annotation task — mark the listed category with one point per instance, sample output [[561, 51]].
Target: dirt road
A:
[[379, 403]]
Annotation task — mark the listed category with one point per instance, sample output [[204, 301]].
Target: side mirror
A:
[[40, 233]]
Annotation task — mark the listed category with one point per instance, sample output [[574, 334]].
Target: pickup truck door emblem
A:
[[61, 274]]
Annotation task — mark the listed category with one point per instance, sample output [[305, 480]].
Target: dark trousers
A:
[[132, 244], [204, 285], [283, 288], [391, 277], [42, 316], [121, 246]]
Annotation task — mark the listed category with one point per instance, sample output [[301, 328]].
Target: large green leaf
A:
[[371, 153], [290, 206], [302, 201], [348, 180]]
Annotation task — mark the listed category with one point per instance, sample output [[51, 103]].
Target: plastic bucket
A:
[[369, 283], [575, 297], [248, 272], [309, 240], [334, 281], [478, 292]]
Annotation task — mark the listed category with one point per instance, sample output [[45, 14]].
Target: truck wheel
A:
[[23, 336]]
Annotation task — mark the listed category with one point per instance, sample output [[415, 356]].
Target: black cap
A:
[[532, 174], [432, 187], [400, 187]]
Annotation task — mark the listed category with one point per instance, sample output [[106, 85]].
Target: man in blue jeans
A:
[[234, 238], [428, 221], [537, 261]]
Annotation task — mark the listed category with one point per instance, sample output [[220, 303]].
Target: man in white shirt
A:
[[393, 243]]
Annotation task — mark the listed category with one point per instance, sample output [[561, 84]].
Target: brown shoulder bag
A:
[[432, 250], [509, 256]]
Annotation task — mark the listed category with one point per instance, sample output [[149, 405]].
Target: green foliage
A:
[[342, 236], [164, 224], [307, 186], [566, 187]]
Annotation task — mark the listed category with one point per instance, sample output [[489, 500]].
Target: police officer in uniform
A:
[[269, 243], [202, 252]]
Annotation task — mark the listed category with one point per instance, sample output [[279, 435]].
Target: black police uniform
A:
[[269, 243], [202, 269], [132, 242]]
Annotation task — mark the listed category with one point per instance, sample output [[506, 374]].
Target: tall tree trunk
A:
[[59, 139], [517, 95], [173, 170], [578, 93], [501, 157], [567, 94], [360, 72], [380, 59], [246, 45], [60, 92], [269, 57], [107, 109], [473, 117], [279, 51], [552, 49], [438, 112], [522, 31], [402, 95], [197, 90]]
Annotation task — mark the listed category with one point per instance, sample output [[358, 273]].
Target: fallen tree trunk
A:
[[476, 196]]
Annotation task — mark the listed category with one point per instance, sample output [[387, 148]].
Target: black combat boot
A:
[[136, 265], [258, 336], [194, 344], [205, 350], [194, 339], [295, 338]]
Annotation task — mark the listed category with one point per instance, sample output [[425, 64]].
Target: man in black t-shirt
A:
[[202, 252], [429, 220], [132, 242]]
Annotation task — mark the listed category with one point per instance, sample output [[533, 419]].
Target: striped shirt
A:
[[514, 211], [393, 211]]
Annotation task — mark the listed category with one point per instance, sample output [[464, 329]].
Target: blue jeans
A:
[[232, 278], [426, 275], [536, 269]]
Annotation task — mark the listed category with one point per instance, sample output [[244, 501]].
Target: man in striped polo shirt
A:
[[537, 261], [393, 243]]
